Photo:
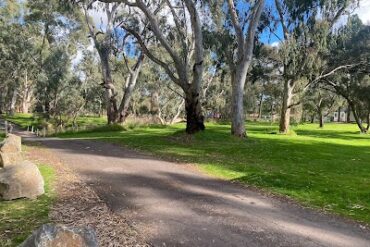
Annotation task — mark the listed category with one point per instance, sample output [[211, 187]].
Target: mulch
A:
[[77, 204]]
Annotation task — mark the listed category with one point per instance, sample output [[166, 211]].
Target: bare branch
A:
[[236, 24], [281, 16], [146, 51]]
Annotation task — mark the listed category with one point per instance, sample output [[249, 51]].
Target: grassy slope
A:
[[26, 119], [20, 217], [23, 119], [327, 168]]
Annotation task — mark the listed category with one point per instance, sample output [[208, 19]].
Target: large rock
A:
[[12, 144], [11, 151], [49, 235], [21, 180], [8, 159]]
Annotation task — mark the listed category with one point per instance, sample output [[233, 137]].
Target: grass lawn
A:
[[324, 168], [26, 119], [23, 119], [18, 218]]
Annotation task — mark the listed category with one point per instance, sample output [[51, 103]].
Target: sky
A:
[[363, 11]]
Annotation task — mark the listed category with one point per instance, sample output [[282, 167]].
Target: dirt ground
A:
[[77, 204]]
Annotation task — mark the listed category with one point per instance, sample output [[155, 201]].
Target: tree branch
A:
[[146, 51]]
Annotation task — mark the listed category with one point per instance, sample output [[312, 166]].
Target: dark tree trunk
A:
[[339, 111], [312, 118], [321, 119], [194, 117]]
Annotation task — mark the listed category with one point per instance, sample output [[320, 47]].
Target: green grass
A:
[[25, 120], [18, 218], [324, 168]]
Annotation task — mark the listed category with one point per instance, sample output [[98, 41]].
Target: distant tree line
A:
[[190, 59]]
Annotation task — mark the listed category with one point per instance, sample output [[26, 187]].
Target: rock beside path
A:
[[9, 159], [12, 144], [50, 235], [21, 180], [11, 150]]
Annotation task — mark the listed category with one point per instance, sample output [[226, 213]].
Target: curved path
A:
[[173, 205]]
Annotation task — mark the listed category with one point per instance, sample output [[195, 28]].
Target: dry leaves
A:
[[78, 205]]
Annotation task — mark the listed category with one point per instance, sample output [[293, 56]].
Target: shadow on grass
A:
[[343, 135], [329, 175], [186, 204]]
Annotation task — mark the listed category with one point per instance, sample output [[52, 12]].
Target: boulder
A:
[[50, 235], [21, 180], [11, 151], [12, 144], [8, 159]]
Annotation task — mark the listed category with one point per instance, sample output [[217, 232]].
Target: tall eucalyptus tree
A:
[[305, 26], [108, 41], [176, 30], [245, 25]]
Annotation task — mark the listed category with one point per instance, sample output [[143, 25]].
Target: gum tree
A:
[[305, 26], [177, 46], [109, 42], [244, 29]]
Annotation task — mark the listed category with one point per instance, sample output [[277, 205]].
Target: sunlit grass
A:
[[326, 168], [24, 120]]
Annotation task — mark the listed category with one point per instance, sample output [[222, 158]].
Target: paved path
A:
[[173, 205]]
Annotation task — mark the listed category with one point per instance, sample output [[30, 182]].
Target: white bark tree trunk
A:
[[286, 106], [238, 116], [244, 58], [26, 94], [13, 102], [129, 88]]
